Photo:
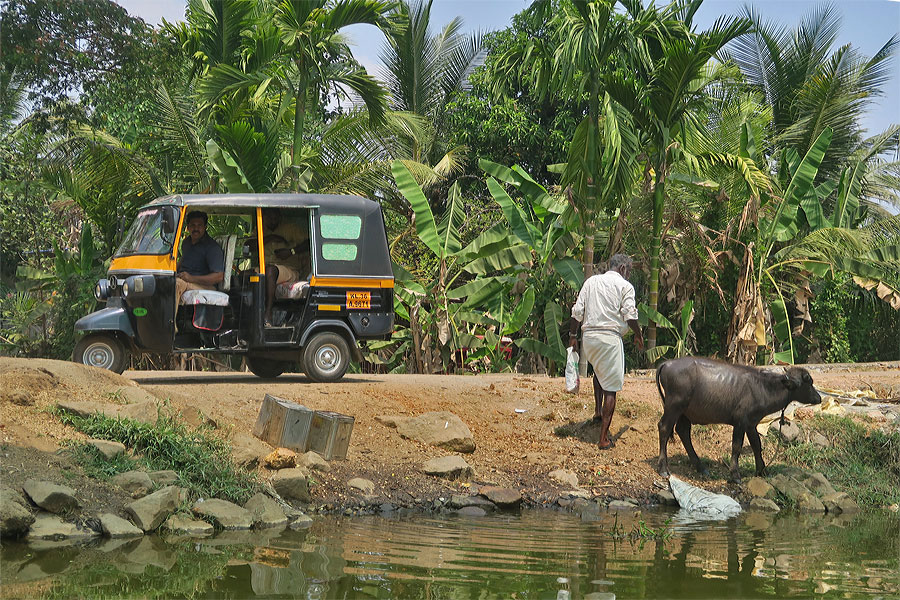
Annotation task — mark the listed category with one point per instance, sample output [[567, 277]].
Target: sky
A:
[[867, 25]]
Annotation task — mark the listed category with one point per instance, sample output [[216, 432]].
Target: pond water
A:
[[535, 554]]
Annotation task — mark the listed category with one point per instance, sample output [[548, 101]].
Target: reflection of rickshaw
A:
[[346, 296]]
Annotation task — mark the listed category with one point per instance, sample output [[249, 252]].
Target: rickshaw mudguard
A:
[[332, 324], [113, 318]]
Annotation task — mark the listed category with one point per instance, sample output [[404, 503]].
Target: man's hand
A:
[[639, 342], [283, 253], [573, 341], [185, 276]]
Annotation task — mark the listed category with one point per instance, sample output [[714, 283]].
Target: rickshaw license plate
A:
[[359, 300]]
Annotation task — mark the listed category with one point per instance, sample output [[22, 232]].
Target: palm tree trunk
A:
[[588, 272], [658, 202], [299, 119]]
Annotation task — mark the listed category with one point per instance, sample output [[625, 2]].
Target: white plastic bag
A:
[[697, 500], [572, 380]]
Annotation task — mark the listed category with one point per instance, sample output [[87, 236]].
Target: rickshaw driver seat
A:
[[213, 297]]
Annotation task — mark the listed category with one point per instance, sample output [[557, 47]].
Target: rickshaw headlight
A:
[[101, 290], [125, 289], [139, 286]]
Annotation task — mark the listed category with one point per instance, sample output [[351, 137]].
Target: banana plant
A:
[[681, 334]]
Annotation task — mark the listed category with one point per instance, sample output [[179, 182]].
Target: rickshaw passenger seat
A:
[[227, 243]]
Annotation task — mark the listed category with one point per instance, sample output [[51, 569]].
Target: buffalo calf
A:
[[699, 391]]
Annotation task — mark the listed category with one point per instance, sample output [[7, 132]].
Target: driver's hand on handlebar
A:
[[185, 276]]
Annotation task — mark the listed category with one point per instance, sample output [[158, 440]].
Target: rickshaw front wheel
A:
[[266, 368], [326, 357], [103, 351]]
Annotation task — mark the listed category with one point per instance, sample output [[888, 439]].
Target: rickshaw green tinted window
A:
[[340, 227], [331, 251]]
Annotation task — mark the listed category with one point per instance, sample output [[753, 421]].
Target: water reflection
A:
[[537, 554]]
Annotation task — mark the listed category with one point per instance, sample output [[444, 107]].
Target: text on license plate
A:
[[359, 300]]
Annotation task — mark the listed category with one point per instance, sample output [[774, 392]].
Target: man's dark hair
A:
[[619, 260], [197, 214]]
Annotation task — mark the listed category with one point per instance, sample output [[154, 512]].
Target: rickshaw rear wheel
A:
[[326, 357], [265, 367], [101, 350]]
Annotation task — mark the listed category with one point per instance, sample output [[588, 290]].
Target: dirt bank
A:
[[515, 420]]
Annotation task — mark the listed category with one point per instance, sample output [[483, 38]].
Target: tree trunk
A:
[[588, 264], [658, 203], [299, 119]]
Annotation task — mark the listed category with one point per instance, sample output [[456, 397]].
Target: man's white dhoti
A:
[[605, 352]]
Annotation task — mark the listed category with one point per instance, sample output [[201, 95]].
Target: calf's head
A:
[[799, 384]]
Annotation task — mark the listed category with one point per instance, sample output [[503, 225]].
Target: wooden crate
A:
[[283, 424], [329, 434]]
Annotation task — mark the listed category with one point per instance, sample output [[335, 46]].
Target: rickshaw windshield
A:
[[147, 234]]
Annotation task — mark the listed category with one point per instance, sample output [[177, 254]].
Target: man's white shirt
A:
[[605, 302]]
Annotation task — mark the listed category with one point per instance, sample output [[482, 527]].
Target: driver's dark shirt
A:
[[202, 258]]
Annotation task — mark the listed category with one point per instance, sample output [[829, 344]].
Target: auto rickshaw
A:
[[346, 296]]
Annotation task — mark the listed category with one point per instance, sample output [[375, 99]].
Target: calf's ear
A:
[[791, 383]]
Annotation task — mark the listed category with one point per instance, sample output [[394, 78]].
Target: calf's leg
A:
[[666, 425], [737, 442], [756, 444], [683, 429]]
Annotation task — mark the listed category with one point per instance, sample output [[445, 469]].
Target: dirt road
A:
[[524, 426]]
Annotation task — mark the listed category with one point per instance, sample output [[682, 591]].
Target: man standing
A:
[[201, 262], [605, 309]]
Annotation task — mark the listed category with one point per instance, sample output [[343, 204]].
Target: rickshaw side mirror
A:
[[168, 221]]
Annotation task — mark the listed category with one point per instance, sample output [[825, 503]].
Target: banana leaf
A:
[[521, 313], [425, 225], [228, 169], [571, 271]]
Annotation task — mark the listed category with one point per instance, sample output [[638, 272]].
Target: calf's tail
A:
[[658, 386]]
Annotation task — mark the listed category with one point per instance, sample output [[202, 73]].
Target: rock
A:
[[460, 501], [816, 482], [143, 412], [764, 505], [51, 497], [759, 488], [313, 461], [117, 527], [247, 450], [266, 512], [502, 497], [183, 524], [280, 458], [819, 440], [448, 467], [808, 502], [363, 485], [789, 486], [136, 483], [301, 522], [622, 505], [292, 484], [472, 511], [149, 512], [442, 429], [108, 449], [839, 502], [163, 478], [579, 493], [565, 477], [788, 432], [51, 527], [15, 518], [226, 515], [390, 420], [666, 498]]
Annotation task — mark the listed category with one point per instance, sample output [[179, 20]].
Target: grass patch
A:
[[863, 462], [201, 458]]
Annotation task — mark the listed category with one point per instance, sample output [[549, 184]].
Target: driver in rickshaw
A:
[[289, 244], [201, 262]]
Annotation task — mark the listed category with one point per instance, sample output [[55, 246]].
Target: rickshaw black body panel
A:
[[112, 318]]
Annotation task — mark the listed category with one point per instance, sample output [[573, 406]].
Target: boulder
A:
[[15, 518], [50, 496], [266, 512], [224, 514], [292, 484], [666, 498], [183, 524], [363, 485], [758, 487], [136, 483], [142, 412], [472, 511], [280, 458], [149, 512], [163, 478], [51, 527], [789, 486], [247, 450], [313, 461], [817, 439], [764, 505], [839, 502], [816, 482], [441, 429], [301, 521], [565, 477], [108, 449], [114, 526], [622, 505], [448, 467], [502, 497], [460, 501], [788, 432], [808, 502]]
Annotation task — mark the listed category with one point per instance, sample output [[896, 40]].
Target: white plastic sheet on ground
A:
[[698, 501]]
